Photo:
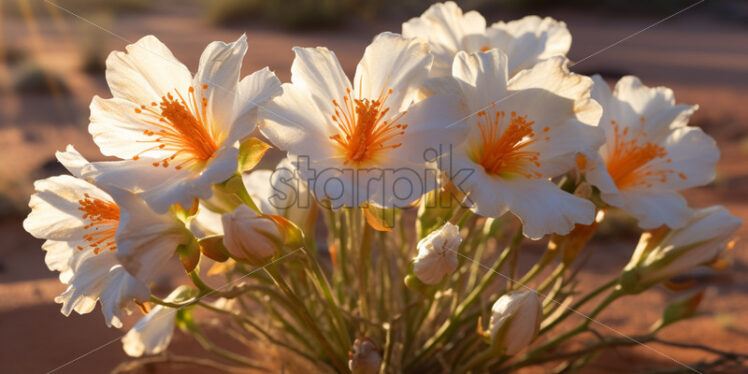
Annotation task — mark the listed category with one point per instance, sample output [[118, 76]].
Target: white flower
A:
[[79, 221], [669, 252], [523, 131], [177, 133], [515, 321], [152, 333], [146, 241], [650, 153], [281, 192], [437, 254], [526, 41], [249, 236], [367, 141]]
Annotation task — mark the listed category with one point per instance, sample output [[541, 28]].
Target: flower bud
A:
[[437, 254], [515, 321], [665, 253], [364, 357], [250, 236]]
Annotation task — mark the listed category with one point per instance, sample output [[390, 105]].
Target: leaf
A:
[[250, 153], [379, 219], [213, 248]]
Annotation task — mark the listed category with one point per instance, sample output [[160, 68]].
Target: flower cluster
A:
[[464, 121]]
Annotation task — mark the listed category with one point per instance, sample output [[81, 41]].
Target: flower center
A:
[[503, 144], [103, 219], [632, 163], [485, 48], [180, 126], [363, 132]]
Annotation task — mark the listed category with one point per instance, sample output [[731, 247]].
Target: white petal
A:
[[220, 66], [600, 91], [72, 160], [553, 75], [58, 254], [643, 99], [318, 72], [146, 72], [653, 208], [542, 207], [132, 175], [530, 40], [54, 208], [119, 131], [482, 77], [184, 188], [435, 126], [293, 123], [100, 277], [446, 28], [396, 63], [694, 155], [146, 241], [152, 334], [253, 90], [632, 101]]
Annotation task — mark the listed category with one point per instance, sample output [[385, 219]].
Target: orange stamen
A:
[[103, 219], [362, 131], [181, 126], [503, 144], [632, 163]]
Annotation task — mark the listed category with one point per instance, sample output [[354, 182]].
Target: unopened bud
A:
[[249, 236], [681, 308], [667, 253], [364, 357], [437, 254], [515, 321]]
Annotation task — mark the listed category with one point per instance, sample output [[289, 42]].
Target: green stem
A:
[[546, 259], [307, 319], [594, 293], [228, 355], [480, 359], [449, 325], [557, 272], [333, 307], [243, 320], [580, 328], [363, 265], [576, 353]]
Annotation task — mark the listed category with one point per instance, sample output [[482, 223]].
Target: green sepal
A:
[[189, 254], [213, 248]]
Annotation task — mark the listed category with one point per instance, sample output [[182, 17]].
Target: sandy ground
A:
[[705, 60]]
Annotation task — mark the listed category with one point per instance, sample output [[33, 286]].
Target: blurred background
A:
[[52, 57]]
